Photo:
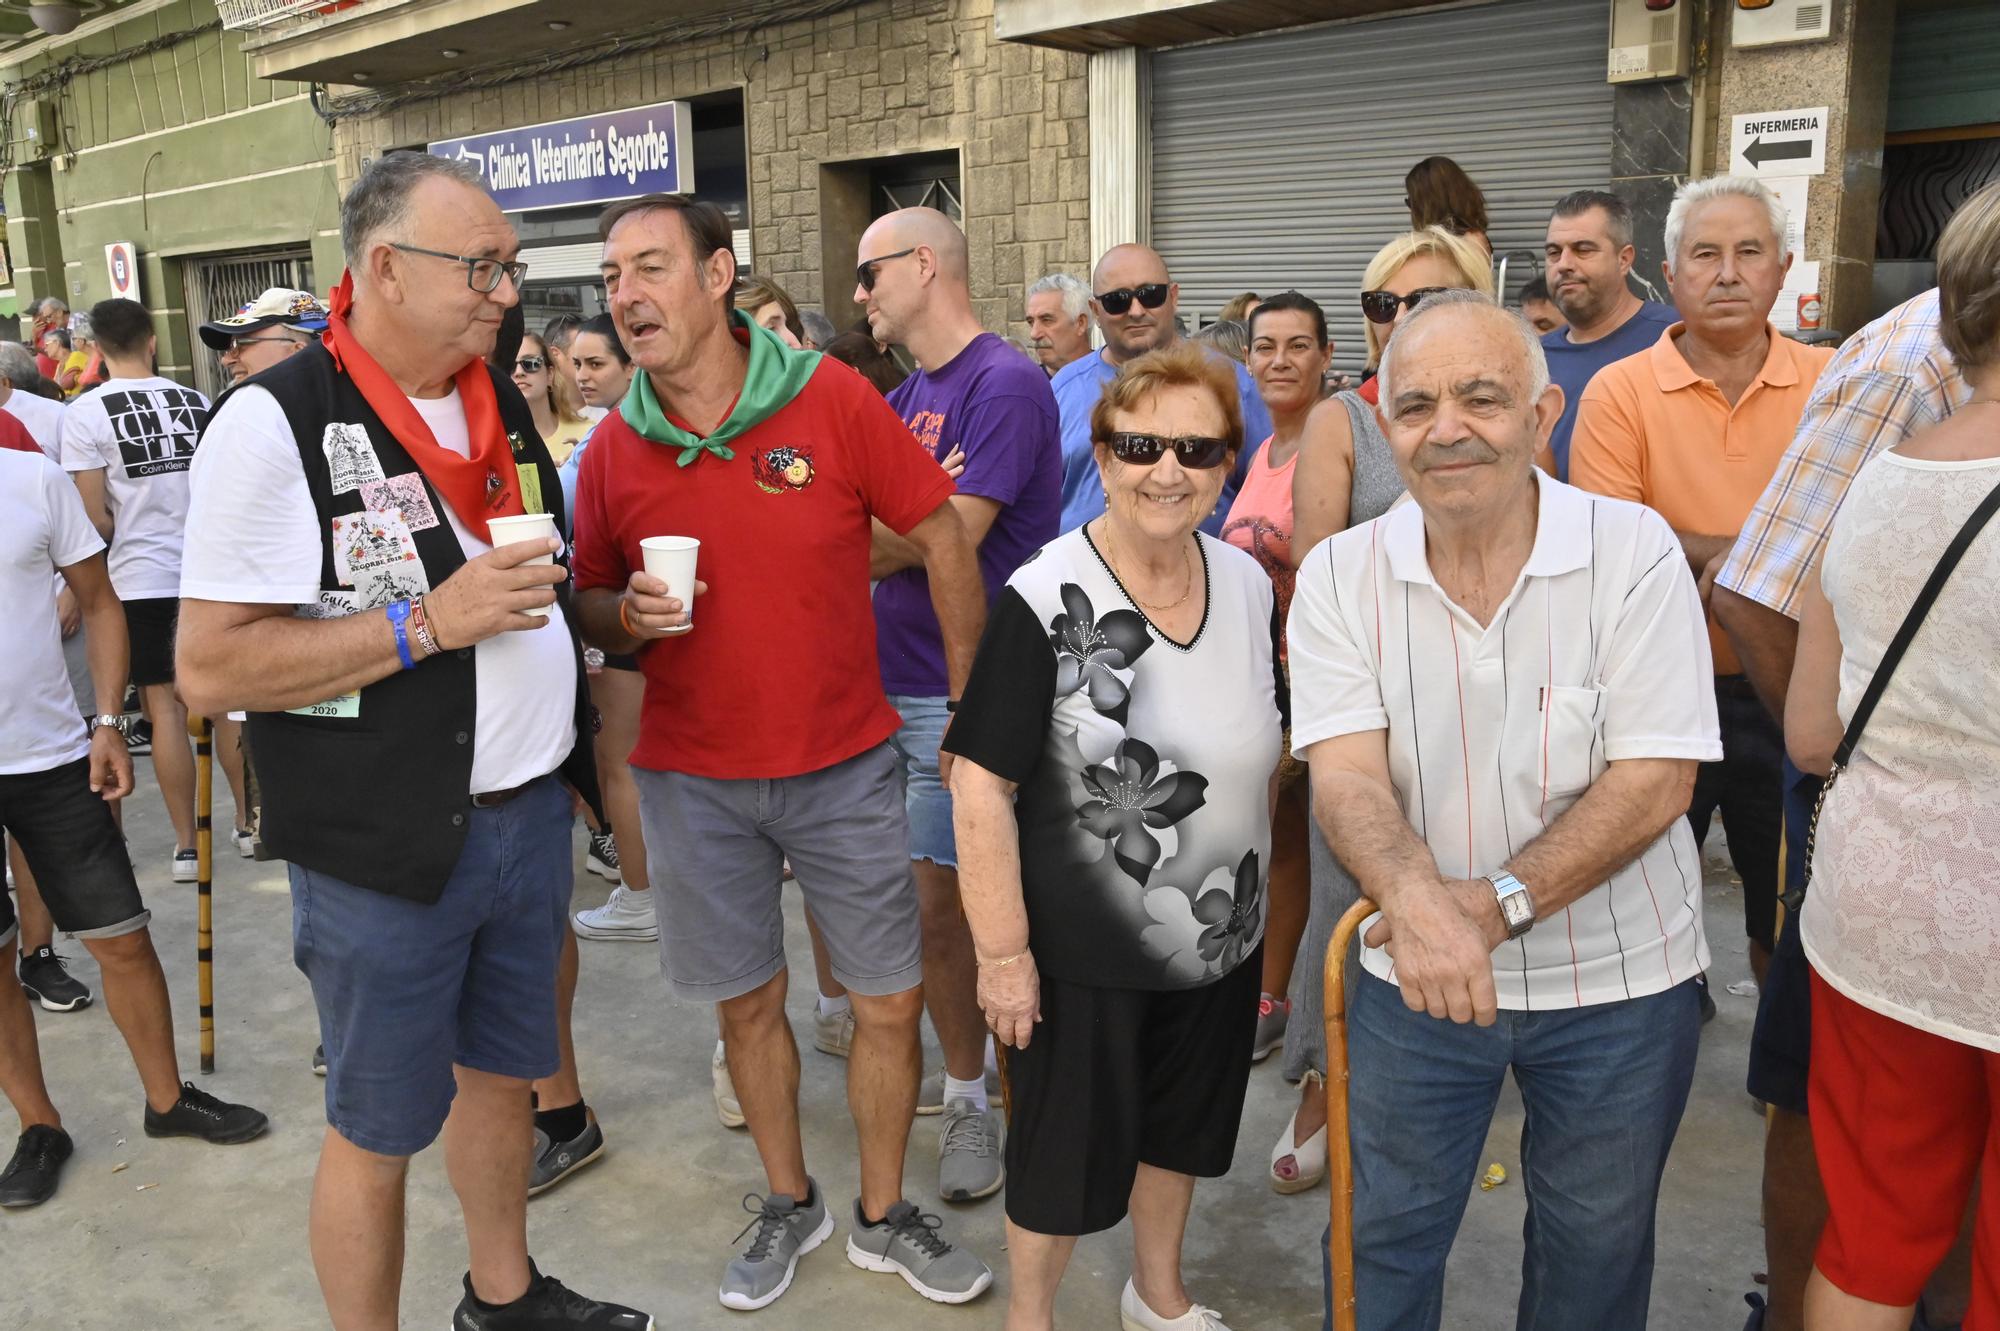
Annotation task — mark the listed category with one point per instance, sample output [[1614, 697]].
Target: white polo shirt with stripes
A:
[[1599, 653]]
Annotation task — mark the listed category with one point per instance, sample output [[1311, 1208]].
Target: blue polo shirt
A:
[[1572, 364], [1079, 385]]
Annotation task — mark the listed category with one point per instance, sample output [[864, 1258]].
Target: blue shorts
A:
[[405, 990], [1781, 1041], [924, 796]]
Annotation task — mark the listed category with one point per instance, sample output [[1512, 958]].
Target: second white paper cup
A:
[[527, 527], [671, 559]]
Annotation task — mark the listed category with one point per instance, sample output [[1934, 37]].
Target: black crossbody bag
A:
[[1890, 659]]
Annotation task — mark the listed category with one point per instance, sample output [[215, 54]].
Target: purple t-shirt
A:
[[994, 403]]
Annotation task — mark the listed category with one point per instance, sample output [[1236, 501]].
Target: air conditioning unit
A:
[[1780, 21], [1649, 40]]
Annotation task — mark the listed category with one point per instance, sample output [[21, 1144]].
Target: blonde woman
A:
[[1344, 476], [553, 399]]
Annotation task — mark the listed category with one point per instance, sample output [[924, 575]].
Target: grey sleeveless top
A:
[[1377, 483]]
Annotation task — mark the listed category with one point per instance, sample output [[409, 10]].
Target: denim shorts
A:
[[74, 849], [929, 803], [405, 990], [716, 849]]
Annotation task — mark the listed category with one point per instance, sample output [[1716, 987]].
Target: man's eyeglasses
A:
[[531, 365], [1152, 295], [482, 275], [1197, 452], [1381, 306], [866, 273]]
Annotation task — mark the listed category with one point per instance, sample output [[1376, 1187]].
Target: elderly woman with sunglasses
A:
[[1345, 475], [1116, 751]]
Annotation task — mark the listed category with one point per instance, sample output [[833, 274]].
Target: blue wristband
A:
[[399, 620]]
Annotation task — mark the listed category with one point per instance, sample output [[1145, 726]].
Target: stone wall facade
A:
[[822, 98]]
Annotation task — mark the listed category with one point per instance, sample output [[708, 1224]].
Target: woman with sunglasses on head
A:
[[558, 413], [1116, 751], [1345, 475]]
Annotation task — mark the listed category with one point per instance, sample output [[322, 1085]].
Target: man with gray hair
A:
[[47, 313], [1058, 320], [416, 700], [18, 398], [1694, 427], [1502, 689]]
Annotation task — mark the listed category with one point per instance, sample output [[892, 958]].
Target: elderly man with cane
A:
[[1503, 689]]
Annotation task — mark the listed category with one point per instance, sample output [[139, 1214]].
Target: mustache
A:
[[1458, 453]]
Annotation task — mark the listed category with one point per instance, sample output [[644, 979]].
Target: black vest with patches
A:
[[380, 799]]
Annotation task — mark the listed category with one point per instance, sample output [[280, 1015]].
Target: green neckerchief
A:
[[776, 375]]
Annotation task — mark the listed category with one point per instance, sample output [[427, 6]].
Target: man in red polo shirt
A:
[[764, 731]]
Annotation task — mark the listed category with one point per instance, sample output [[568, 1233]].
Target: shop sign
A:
[[585, 160]]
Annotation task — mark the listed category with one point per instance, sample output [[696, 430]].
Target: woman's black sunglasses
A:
[[1380, 306], [1152, 295], [531, 365], [1196, 452]]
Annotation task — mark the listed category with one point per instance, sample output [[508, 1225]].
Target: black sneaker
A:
[[556, 1161], [547, 1306], [602, 858], [45, 975], [199, 1114], [139, 735], [30, 1178]]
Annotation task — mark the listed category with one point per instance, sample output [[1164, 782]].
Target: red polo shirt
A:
[[779, 677]]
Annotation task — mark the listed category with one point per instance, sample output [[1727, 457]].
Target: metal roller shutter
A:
[[1278, 161]]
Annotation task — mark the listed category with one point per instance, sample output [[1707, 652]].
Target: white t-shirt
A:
[[1599, 654], [42, 528], [141, 433], [43, 418], [253, 538]]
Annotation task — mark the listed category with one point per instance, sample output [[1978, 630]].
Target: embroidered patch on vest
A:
[[350, 458], [403, 494]]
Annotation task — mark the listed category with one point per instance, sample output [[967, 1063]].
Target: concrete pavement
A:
[[192, 1236]]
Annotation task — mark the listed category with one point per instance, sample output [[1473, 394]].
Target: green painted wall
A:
[[182, 151]]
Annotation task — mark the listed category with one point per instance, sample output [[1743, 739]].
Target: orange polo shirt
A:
[[1652, 430]]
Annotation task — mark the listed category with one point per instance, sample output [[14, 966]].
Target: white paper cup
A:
[[671, 559], [527, 527]]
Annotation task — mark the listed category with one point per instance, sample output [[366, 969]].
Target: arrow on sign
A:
[[1759, 152]]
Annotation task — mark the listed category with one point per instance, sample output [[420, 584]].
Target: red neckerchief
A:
[[1370, 391], [477, 488]]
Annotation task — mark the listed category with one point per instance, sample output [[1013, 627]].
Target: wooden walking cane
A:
[[204, 845], [1339, 1155]]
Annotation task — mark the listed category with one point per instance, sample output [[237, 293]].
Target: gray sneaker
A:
[[556, 1161], [785, 1231], [1273, 1015], [908, 1243], [969, 1164]]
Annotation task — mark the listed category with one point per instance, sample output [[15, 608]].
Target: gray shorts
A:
[[716, 851]]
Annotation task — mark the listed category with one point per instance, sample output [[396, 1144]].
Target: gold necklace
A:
[[1187, 564]]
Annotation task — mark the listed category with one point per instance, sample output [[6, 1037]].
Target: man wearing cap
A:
[[267, 330]]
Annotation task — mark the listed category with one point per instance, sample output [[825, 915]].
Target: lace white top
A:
[[1904, 912]]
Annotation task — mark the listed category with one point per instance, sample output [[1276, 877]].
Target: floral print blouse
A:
[[1143, 765]]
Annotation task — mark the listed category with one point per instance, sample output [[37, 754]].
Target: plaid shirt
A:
[[1891, 379]]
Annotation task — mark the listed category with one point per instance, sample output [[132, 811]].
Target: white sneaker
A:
[[246, 843], [187, 866], [1134, 1315], [726, 1107], [625, 914], [833, 1033]]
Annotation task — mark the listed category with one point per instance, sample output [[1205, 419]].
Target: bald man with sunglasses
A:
[[1135, 301]]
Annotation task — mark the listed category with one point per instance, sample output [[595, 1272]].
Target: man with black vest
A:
[[416, 706]]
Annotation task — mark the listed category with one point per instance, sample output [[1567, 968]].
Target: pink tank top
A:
[[1260, 521]]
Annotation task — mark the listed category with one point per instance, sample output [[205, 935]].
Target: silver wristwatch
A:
[[1517, 907], [107, 719]]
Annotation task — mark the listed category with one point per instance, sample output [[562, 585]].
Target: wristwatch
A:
[[107, 719], [1517, 907]]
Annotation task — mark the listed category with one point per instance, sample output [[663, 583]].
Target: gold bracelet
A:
[[1005, 961]]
